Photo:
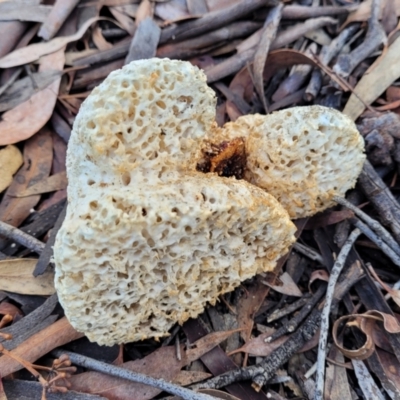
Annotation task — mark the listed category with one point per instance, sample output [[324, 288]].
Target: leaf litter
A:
[[271, 56]]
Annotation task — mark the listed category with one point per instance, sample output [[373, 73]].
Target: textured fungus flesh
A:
[[147, 240], [303, 156]]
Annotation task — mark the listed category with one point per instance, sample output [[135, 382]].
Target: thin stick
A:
[[213, 20], [337, 268], [377, 240], [10, 232], [282, 312], [260, 56], [292, 325], [375, 225], [112, 370], [308, 252]]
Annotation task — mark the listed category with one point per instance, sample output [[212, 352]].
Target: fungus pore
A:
[[148, 240]]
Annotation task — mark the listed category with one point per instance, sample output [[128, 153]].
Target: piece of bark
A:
[[13, 31], [145, 41], [119, 50], [305, 12], [60, 126], [12, 10], [296, 78], [47, 253], [197, 7], [240, 103], [58, 14], [290, 100], [188, 48], [381, 197], [33, 319], [24, 88], [87, 76], [213, 20], [13, 343], [268, 35]]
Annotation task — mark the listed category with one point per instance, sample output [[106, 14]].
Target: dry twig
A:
[[112, 370], [293, 324], [10, 232], [381, 197], [375, 225], [337, 268]]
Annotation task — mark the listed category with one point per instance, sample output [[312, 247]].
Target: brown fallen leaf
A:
[[206, 343], [259, 347], [248, 305], [16, 276], [56, 335], [50, 184], [162, 363], [38, 156], [25, 88], [145, 10], [10, 161], [27, 118], [7, 308], [172, 11], [32, 52], [391, 366], [363, 11], [242, 84], [218, 394], [328, 218], [233, 111], [366, 323], [186, 378], [318, 274], [124, 20], [382, 73], [394, 293], [287, 286], [99, 40]]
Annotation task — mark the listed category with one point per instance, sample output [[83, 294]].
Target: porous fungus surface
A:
[[147, 241], [303, 156], [144, 123]]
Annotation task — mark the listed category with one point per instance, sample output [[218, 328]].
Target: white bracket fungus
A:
[[148, 240]]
